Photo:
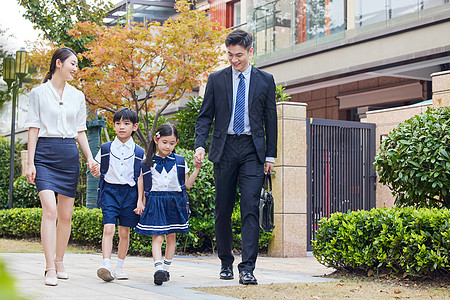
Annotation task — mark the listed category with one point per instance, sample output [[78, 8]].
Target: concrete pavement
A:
[[186, 272]]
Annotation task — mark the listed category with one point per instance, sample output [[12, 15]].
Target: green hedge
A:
[[5, 170], [399, 241], [87, 229], [87, 224]]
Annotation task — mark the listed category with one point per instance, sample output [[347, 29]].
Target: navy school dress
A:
[[165, 211]]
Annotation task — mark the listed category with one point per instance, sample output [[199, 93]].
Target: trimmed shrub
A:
[[400, 241], [87, 229], [4, 168], [25, 194], [20, 222], [414, 160]]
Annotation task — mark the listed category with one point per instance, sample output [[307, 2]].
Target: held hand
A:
[[31, 173], [197, 164], [268, 167], [199, 156], [139, 209], [94, 167]]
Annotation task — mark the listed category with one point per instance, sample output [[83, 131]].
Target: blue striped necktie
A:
[[239, 107]]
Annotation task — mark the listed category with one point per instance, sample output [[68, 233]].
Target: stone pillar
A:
[[289, 183], [24, 161], [441, 88]]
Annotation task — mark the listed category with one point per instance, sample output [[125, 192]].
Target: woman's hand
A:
[[94, 167], [31, 173]]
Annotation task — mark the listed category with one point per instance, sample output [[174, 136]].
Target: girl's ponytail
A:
[[151, 151]]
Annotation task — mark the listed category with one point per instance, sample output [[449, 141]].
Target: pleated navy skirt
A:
[[57, 165], [164, 213]]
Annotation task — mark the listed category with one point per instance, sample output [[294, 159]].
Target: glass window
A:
[[369, 12], [236, 13], [402, 7], [424, 4], [375, 11], [319, 18]]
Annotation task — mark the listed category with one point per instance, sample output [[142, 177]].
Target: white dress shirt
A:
[[167, 181], [236, 79], [121, 162], [56, 117]]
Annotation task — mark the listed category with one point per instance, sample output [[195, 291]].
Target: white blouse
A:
[[56, 117], [167, 181], [121, 162]]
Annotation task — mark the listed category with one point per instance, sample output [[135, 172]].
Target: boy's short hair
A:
[[126, 114], [239, 37]]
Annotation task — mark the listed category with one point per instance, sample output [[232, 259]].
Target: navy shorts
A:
[[118, 202]]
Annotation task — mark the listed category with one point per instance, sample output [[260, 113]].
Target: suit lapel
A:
[[253, 84], [228, 78]]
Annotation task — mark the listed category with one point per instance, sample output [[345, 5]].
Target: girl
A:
[[164, 209], [56, 117]]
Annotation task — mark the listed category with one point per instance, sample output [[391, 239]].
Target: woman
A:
[[56, 117]]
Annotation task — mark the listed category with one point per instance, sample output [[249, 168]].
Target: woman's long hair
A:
[[62, 54], [163, 130]]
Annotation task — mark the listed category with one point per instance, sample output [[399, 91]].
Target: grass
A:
[[34, 246], [344, 289], [349, 286]]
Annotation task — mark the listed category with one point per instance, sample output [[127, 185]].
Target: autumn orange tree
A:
[[148, 66]]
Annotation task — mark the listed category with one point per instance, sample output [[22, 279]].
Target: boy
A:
[[119, 189]]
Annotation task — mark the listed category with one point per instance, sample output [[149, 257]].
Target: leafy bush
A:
[[20, 222], [87, 229], [4, 168], [414, 160], [280, 95], [400, 241], [25, 194], [185, 120]]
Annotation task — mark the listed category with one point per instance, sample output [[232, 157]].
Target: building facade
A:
[[346, 57]]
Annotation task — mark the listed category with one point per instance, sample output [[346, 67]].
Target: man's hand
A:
[[199, 156], [268, 167]]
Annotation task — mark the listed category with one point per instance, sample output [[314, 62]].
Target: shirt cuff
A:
[[200, 148], [270, 159]]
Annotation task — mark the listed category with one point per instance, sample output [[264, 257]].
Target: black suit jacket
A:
[[218, 106]]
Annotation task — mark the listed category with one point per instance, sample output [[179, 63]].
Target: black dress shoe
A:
[[247, 278], [226, 273]]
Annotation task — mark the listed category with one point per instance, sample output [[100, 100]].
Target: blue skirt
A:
[[164, 213], [57, 165]]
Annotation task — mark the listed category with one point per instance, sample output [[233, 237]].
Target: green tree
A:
[[147, 67], [56, 17], [414, 160]]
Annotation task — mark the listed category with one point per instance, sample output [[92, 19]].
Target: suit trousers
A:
[[239, 163]]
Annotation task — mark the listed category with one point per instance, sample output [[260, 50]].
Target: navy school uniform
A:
[[166, 207], [120, 167]]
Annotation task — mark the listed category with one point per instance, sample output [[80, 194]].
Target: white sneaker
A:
[[105, 274], [120, 274]]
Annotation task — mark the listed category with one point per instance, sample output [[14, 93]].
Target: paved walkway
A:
[[186, 272]]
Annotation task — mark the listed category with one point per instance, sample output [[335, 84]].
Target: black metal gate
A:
[[340, 174]]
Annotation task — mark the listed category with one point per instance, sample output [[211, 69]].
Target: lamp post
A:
[[14, 70]]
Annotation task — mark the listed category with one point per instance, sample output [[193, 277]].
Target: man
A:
[[241, 101]]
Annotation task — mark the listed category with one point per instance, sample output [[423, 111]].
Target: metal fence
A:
[[339, 169]]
